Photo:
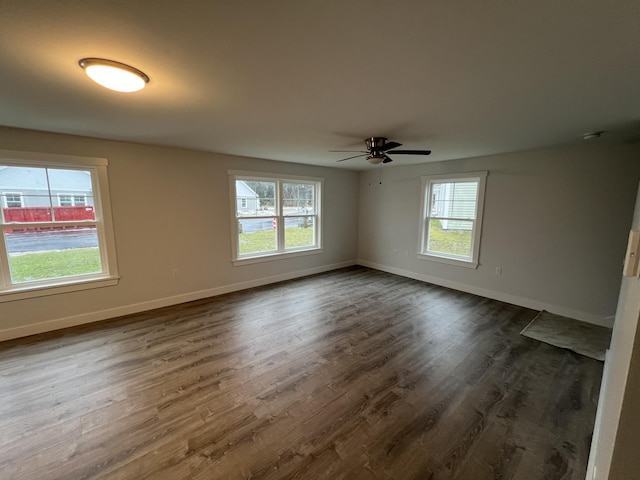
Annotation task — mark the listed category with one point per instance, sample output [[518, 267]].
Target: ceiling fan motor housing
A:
[[375, 143]]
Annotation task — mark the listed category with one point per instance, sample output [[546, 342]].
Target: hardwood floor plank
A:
[[348, 374]]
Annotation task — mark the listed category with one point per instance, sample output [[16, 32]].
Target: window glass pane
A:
[[299, 232], [38, 254], [36, 208], [25, 179], [298, 198], [450, 237], [256, 235], [74, 213], [23, 187], [454, 200], [255, 198], [70, 182]]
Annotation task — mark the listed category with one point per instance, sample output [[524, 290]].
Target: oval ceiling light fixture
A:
[[114, 75]]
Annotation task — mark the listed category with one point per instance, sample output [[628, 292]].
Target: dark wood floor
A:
[[352, 374]]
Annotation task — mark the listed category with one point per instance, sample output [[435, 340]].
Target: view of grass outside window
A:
[[53, 234], [275, 216], [452, 214], [449, 241], [54, 264]]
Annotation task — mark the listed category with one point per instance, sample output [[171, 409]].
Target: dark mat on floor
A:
[[580, 337]]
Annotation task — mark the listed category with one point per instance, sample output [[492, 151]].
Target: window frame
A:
[[280, 252], [427, 198], [10, 291]]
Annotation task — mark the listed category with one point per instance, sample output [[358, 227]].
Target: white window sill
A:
[[448, 260], [22, 292], [269, 257]]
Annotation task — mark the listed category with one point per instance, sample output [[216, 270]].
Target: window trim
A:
[[237, 260], [104, 228], [425, 202]]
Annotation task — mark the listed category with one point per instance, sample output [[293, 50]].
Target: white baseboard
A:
[[59, 323], [503, 297], [65, 322]]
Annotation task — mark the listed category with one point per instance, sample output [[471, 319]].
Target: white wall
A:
[[556, 221], [171, 211]]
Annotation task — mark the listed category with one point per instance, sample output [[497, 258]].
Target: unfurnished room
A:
[[319, 240]]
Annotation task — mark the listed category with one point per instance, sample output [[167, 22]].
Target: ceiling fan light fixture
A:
[[114, 75], [374, 160]]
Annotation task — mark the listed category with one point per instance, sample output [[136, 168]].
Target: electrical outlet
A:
[[498, 270], [174, 272]]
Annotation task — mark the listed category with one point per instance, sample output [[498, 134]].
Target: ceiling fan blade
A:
[[355, 156], [387, 159], [390, 145], [411, 152]]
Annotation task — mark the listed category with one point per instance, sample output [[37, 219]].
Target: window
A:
[[72, 200], [12, 200], [56, 240], [451, 217], [274, 216]]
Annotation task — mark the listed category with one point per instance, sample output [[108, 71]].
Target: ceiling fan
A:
[[379, 149]]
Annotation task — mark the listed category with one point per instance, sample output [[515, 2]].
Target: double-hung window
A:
[[52, 241], [274, 216], [451, 217]]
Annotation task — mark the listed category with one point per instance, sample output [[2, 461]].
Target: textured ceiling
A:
[[289, 80]]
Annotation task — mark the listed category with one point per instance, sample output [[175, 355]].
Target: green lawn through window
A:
[[34, 266], [264, 240], [450, 242]]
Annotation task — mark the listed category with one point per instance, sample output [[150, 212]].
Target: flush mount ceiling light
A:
[[114, 75]]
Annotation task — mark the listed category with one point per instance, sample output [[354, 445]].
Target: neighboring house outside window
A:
[[274, 216], [12, 200], [56, 242], [451, 218], [246, 199]]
